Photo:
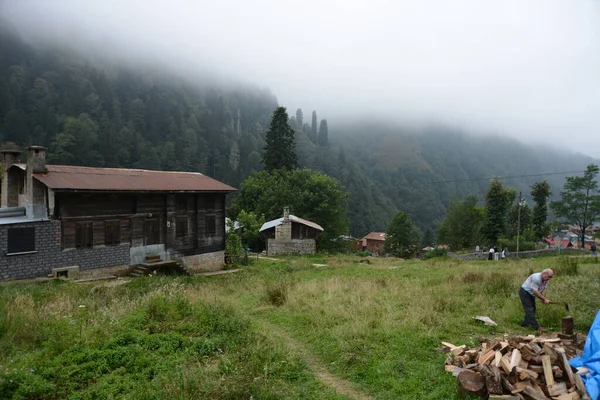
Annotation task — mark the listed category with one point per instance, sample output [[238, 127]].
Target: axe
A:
[[563, 303]]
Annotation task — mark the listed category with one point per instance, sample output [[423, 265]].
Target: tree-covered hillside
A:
[[103, 115]]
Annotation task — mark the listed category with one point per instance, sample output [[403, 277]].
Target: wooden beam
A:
[[547, 370]]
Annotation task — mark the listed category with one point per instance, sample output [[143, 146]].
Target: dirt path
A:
[[316, 366]]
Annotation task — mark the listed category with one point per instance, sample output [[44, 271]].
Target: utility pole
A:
[[521, 204]]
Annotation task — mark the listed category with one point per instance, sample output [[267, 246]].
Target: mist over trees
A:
[[123, 117]]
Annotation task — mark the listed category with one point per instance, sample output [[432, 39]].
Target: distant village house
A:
[[290, 235], [56, 216], [375, 242]]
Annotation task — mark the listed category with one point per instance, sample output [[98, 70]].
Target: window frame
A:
[[213, 222], [84, 234], [181, 227], [114, 227], [19, 234]]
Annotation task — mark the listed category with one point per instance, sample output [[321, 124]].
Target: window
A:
[[181, 203], [210, 202], [112, 232], [181, 228], [84, 234], [21, 240], [211, 225]]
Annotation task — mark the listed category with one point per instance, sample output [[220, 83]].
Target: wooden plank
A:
[[531, 374], [497, 359], [581, 387], [547, 370], [486, 357], [457, 351], [450, 368], [535, 347], [505, 364], [520, 386], [557, 389], [567, 368], [534, 394], [449, 345], [515, 358]]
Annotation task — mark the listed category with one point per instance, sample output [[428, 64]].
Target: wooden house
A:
[[375, 242], [110, 216]]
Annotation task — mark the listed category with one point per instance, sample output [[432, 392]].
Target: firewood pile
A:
[[518, 367]]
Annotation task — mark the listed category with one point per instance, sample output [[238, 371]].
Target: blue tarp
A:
[[591, 360]]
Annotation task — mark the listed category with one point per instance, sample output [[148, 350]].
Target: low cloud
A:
[[526, 69]]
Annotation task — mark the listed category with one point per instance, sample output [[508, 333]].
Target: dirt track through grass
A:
[[316, 366]]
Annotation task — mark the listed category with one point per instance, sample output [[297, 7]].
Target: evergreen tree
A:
[[540, 191], [401, 237], [461, 226], [323, 140], [580, 201], [497, 202], [280, 143], [313, 128], [299, 118]]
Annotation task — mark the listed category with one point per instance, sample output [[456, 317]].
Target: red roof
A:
[[375, 236], [62, 177]]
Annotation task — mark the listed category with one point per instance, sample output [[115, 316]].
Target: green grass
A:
[[271, 330]]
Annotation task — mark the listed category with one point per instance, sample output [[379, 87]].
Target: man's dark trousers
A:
[[528, 301]]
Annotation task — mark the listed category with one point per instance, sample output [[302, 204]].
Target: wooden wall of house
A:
[[186, 223]]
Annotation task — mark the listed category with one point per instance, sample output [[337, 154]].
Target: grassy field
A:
[[279, 329]]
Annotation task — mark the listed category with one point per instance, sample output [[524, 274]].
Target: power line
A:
[[507, 177]]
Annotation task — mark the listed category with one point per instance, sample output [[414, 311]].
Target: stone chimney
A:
[[286, 213], [36, 159], [36, 194], [9, 157]]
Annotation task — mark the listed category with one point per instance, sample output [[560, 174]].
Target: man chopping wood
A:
[[534, 286]]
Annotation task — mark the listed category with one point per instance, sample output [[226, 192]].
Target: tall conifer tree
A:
[[313, 128], [323, 140], [280, 143]]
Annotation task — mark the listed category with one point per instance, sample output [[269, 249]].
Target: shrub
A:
[[473, 277], [498, 284], [277, 294], [568, 266], [437, 252]]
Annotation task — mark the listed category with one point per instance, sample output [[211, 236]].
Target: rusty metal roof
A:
[[375, 236], [62, 177]]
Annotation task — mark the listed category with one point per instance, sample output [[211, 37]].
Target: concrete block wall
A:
[[212, 261], [49, 253], [293, 246]]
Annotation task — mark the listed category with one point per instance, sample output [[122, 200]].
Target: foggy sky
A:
[[527, 69]]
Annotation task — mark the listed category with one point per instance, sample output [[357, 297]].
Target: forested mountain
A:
[[102, 115]]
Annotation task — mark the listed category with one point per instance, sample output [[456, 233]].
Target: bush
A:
[[511, 245], [277, 295], [568, 266], [437, 252]]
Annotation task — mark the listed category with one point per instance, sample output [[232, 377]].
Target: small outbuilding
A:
[[290, 235], [375, 242]]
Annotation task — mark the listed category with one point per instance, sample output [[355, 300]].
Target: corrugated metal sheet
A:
[[375, 236], [60, 177], [293, 218]]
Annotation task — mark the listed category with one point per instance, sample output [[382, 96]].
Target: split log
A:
[[493, 380], [557, 389], [471, 383], [566, 366], [547, 370], [534, 394], [515, 358], [581, 388]]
